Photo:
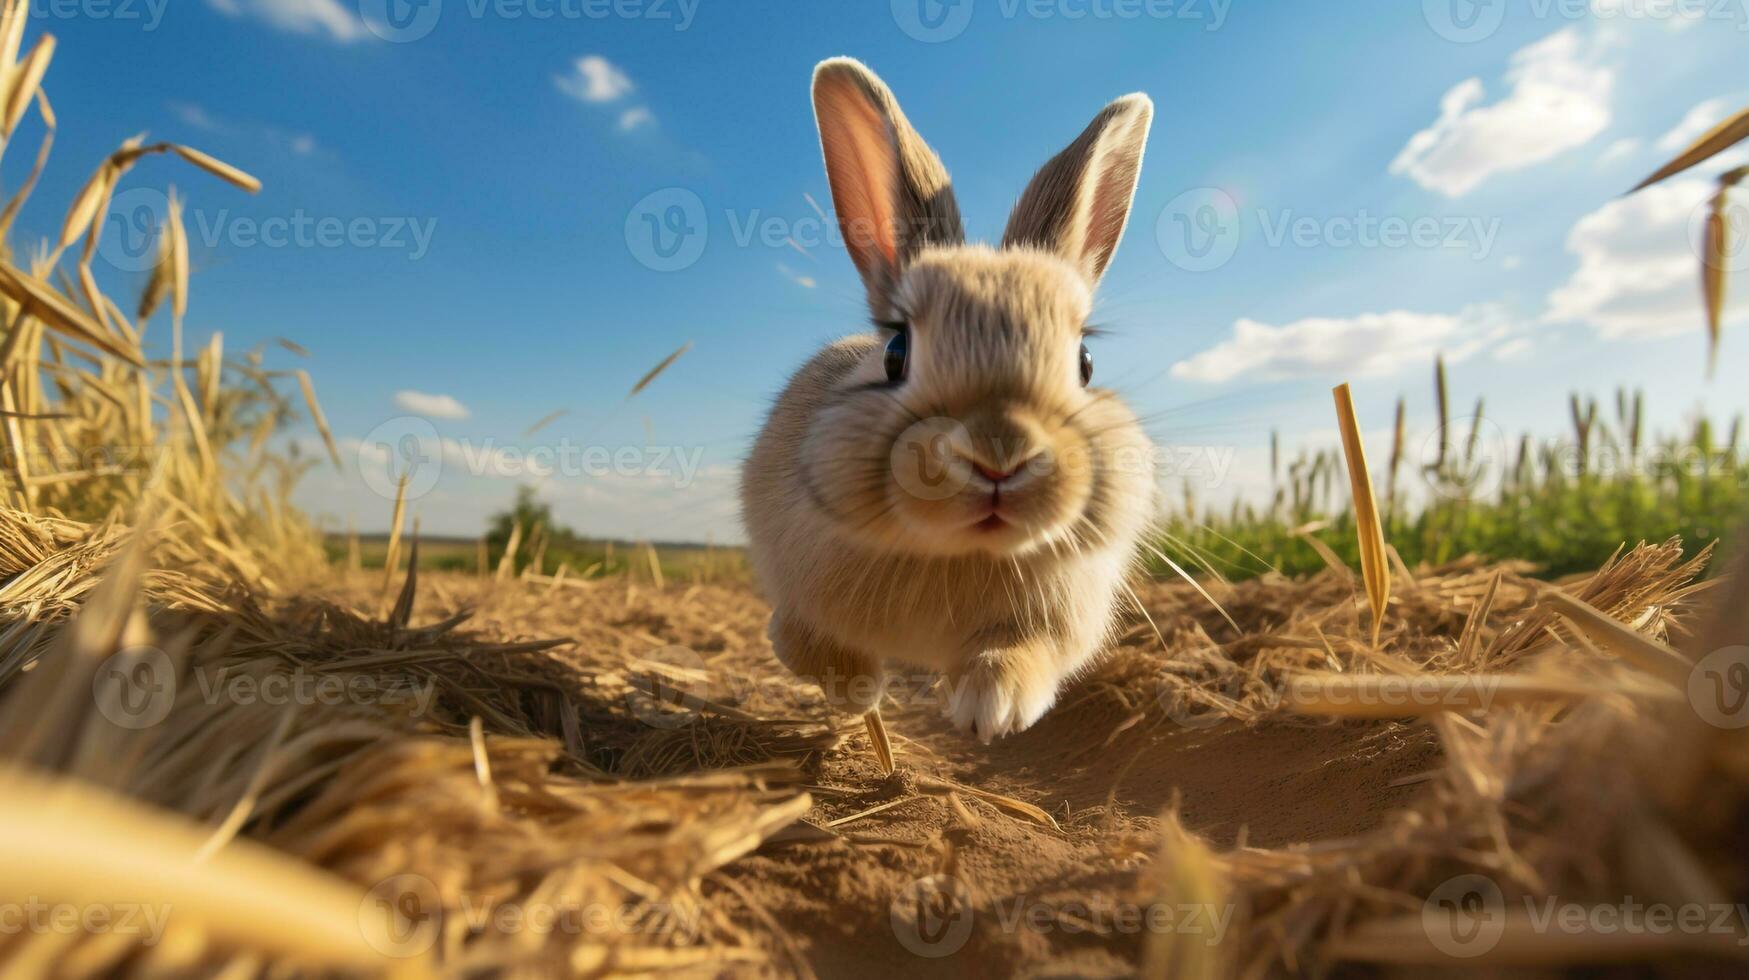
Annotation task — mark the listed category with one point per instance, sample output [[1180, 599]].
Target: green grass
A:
[[1565, 505], [598, 558]]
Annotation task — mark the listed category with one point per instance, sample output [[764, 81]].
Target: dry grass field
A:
[[631, 761], [223, 755]]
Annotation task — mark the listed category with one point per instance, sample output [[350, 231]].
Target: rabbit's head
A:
[[969, 423]]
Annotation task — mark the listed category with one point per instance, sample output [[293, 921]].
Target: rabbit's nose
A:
[[993, 474], [1003, 442], [1003, 466]]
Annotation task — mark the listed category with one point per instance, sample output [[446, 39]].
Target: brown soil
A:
[[1105, 763]]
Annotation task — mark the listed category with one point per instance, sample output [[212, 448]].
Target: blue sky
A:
[[459, 202]]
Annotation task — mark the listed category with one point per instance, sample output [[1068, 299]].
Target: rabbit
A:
[[948, 491]]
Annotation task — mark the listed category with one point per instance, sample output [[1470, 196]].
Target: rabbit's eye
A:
[[1086, 366], [897, 354]]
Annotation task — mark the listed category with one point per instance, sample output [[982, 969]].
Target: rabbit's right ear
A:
[[1078, 203], [890, 191]]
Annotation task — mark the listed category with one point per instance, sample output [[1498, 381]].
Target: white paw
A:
[[988, 703]]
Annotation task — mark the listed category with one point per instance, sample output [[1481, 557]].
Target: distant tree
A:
[[535, 517], [528, 512]]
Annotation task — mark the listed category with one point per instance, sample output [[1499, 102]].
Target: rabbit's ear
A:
[[1078, 203], [889, 189]]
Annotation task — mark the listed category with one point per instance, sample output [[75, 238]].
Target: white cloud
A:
[[1559, 99], [329, 17], [636, 116], [430, 406], [594, 79], [1639, 264], [1370, 344], [1516, 349], [190, 114], [193, 115], [1624, 147], [1694, 125]]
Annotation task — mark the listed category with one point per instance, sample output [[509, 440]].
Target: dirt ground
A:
[[841, 895]]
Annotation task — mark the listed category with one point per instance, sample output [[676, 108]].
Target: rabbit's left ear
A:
[[1078, 203], [891, 193]]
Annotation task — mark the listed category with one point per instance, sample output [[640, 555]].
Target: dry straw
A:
[[1716, 232], [666, 363], [1374, 568], [265, 828]]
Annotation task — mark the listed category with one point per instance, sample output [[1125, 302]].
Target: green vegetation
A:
[[1565, 505], [543, 546]]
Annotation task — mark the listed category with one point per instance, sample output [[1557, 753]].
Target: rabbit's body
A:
[[948, 492]]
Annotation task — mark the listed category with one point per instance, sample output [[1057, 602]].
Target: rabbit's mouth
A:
[[995, 522], [997, 480], [1005, 516]]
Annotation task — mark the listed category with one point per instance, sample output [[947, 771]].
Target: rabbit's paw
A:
[[998, 694]]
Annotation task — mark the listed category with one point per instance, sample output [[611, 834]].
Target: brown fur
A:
[[863, 499]]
